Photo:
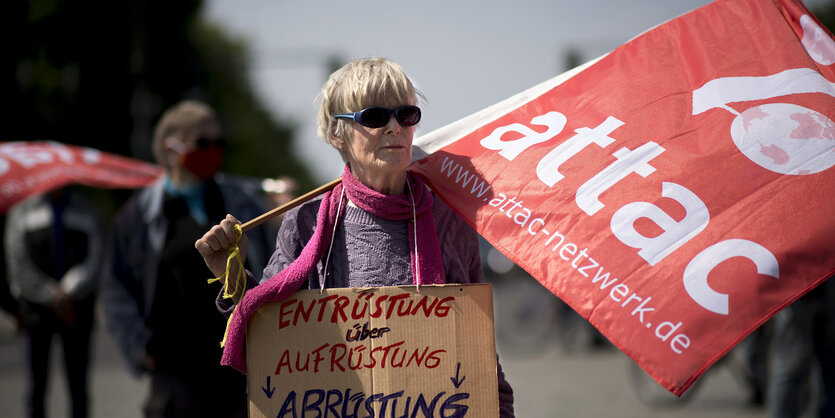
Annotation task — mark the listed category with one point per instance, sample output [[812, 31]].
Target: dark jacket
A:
[[137, 238]]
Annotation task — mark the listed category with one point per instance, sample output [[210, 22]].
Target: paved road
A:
[[549, 382]]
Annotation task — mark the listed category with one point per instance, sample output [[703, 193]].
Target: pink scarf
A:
[[427, 265]]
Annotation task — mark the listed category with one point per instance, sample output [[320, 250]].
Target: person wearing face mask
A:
[[157, 304]]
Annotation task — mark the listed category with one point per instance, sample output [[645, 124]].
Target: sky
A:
[[464, 55]]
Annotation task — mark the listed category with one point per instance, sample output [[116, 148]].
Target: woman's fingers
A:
[[215, 243], [202, 245], [227, 225], [219, 238]]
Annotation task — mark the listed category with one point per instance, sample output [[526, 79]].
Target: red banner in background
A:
[[30, 168], [677, 192]]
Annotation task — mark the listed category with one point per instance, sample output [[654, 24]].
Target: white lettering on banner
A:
[[633, 304], [539, 223], [675, 233], [25, 155], [721, 91], [548, 168], [64, 153], [555, 121], [652, 250], [29, 155], [628, 162], [695, 275], [91, 156], [464, 177]]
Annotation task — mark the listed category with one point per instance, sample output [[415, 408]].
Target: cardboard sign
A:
[[676, 192], [390, 351]]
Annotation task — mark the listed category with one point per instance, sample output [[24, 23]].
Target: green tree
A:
[[265, 148], [99, 74]]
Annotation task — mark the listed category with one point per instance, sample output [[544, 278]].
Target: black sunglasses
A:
[[203, 143], [377, 117]]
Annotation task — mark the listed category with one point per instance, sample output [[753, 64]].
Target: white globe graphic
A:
[[786, 138]]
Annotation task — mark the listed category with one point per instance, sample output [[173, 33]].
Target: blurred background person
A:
[[8, 302], [53, 248], [158, 306], [802, 371]]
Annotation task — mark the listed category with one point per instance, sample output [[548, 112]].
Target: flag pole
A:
[[289, 205]]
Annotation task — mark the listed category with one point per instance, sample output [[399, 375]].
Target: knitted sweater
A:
[[369, 251]]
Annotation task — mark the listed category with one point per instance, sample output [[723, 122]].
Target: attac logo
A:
[[673, 189]]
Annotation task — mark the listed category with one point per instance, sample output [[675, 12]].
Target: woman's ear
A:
[[337, 142], [335, 139]]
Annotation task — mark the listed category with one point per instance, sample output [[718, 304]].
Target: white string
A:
[[414, 225], [330, 248]]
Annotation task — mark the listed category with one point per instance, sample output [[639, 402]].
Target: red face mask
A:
[[203, 162]]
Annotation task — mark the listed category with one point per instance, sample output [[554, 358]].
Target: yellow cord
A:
[[240, 278]]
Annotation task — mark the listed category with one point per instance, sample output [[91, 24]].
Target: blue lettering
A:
[[330, 406], [306, 406], [337, 403], [358, 333], [289, 406], [457, 410], [357, 399]]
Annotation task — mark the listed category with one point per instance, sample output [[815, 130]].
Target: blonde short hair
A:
[[361, 83], [185, 118]]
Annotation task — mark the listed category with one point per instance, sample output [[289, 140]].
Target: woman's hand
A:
[[214, 247]]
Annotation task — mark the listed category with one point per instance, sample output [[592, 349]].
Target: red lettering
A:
[[335, 361], [386, 352], [442, 309], [306, 362], [322, 303], [357, 349], [394, 362], [284, 361], [403, 309], [393, 301], [433, 357], [282, 311], [317, 357], [422, 305], [379, 310], [415, 357], [339, 309], [354, 314], [304, 314], [371, 357]]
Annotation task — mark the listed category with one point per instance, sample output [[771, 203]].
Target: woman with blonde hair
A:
[[371, 229]]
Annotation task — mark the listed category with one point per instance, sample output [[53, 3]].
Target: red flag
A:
[[677, 192], [30, 168]]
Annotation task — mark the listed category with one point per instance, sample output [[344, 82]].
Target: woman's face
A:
[[379, 152]]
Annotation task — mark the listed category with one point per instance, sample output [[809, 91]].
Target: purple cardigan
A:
[[369, 251]]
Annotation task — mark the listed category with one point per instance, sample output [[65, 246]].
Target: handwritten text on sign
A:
[[389, 351]]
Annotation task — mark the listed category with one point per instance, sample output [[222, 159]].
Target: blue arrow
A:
[[268, 390], [455, 380]]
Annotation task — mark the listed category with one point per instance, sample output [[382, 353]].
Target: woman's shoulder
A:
[[449, 225], [445, 215], [306, 211], [302, 217]]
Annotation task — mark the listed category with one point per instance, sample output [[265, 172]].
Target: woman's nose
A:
[[393, 126]]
